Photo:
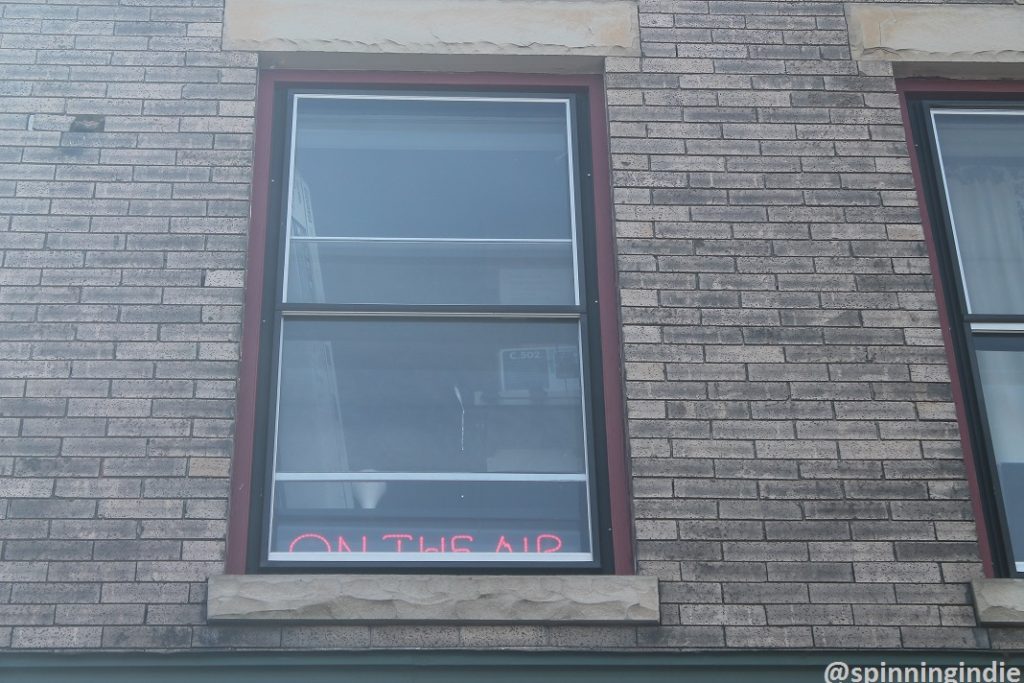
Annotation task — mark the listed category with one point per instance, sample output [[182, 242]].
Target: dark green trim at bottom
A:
[[460, 667]]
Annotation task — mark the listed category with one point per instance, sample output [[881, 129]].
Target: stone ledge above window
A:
[[999, 602], [606, 28], [348, 598], [931, 33]]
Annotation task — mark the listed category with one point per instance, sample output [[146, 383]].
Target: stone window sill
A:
[[999, 602], [405, 598]]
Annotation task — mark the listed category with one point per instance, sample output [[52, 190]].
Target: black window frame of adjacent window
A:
[[966, 329], [585, 311]]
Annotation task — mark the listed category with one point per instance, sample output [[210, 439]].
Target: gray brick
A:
[[94, 571], [825, 615], [346, 637], [140, 509], [104, 614], [47, 550], [726, 615], [159, 593], [765, 594], [169, 615], [255, 637], [768, 636], [856, 637], [92, 529], [681, 637], [53, 592], [147, 637], [47, 508], [26, 615], [26, 488], [55, 637]]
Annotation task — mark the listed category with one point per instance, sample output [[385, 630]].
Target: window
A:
[[430, 389], [972, 164]]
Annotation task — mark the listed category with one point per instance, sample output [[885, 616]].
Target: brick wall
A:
[[120, 294], [798, 475], [798, 479]]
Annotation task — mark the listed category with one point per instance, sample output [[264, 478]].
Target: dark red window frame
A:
[[611, 367], [936, 88]]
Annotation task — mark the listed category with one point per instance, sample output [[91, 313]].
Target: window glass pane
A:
[[371, 173], [430, 521], [982, 159], [425, 395], [1001, 369], [467, 273]]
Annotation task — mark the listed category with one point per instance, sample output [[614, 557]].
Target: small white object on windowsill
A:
[[368, 493]]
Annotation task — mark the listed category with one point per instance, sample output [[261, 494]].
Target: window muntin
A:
[[978, 156], [431, 373]]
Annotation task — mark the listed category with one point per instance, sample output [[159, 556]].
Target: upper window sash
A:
[[432, 200]]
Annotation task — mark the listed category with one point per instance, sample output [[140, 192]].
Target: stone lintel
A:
[[936, 33], [348, 598], [607, 28], [450, 63], [999, 601]]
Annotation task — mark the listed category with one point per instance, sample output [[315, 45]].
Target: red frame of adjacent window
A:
[[937, 87], [611, 343]]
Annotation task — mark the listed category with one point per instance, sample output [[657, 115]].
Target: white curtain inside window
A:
[[982, 156], [988, 212]]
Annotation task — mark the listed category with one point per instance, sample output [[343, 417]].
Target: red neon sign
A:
[[408, 543]]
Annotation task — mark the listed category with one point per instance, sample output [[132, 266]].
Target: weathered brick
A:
[[797, 475]]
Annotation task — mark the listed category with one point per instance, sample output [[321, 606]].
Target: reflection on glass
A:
[[1001, 369], [474, 273], [398, 200], [434, 168], [430, 396], [466, 520], [983, 167]]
